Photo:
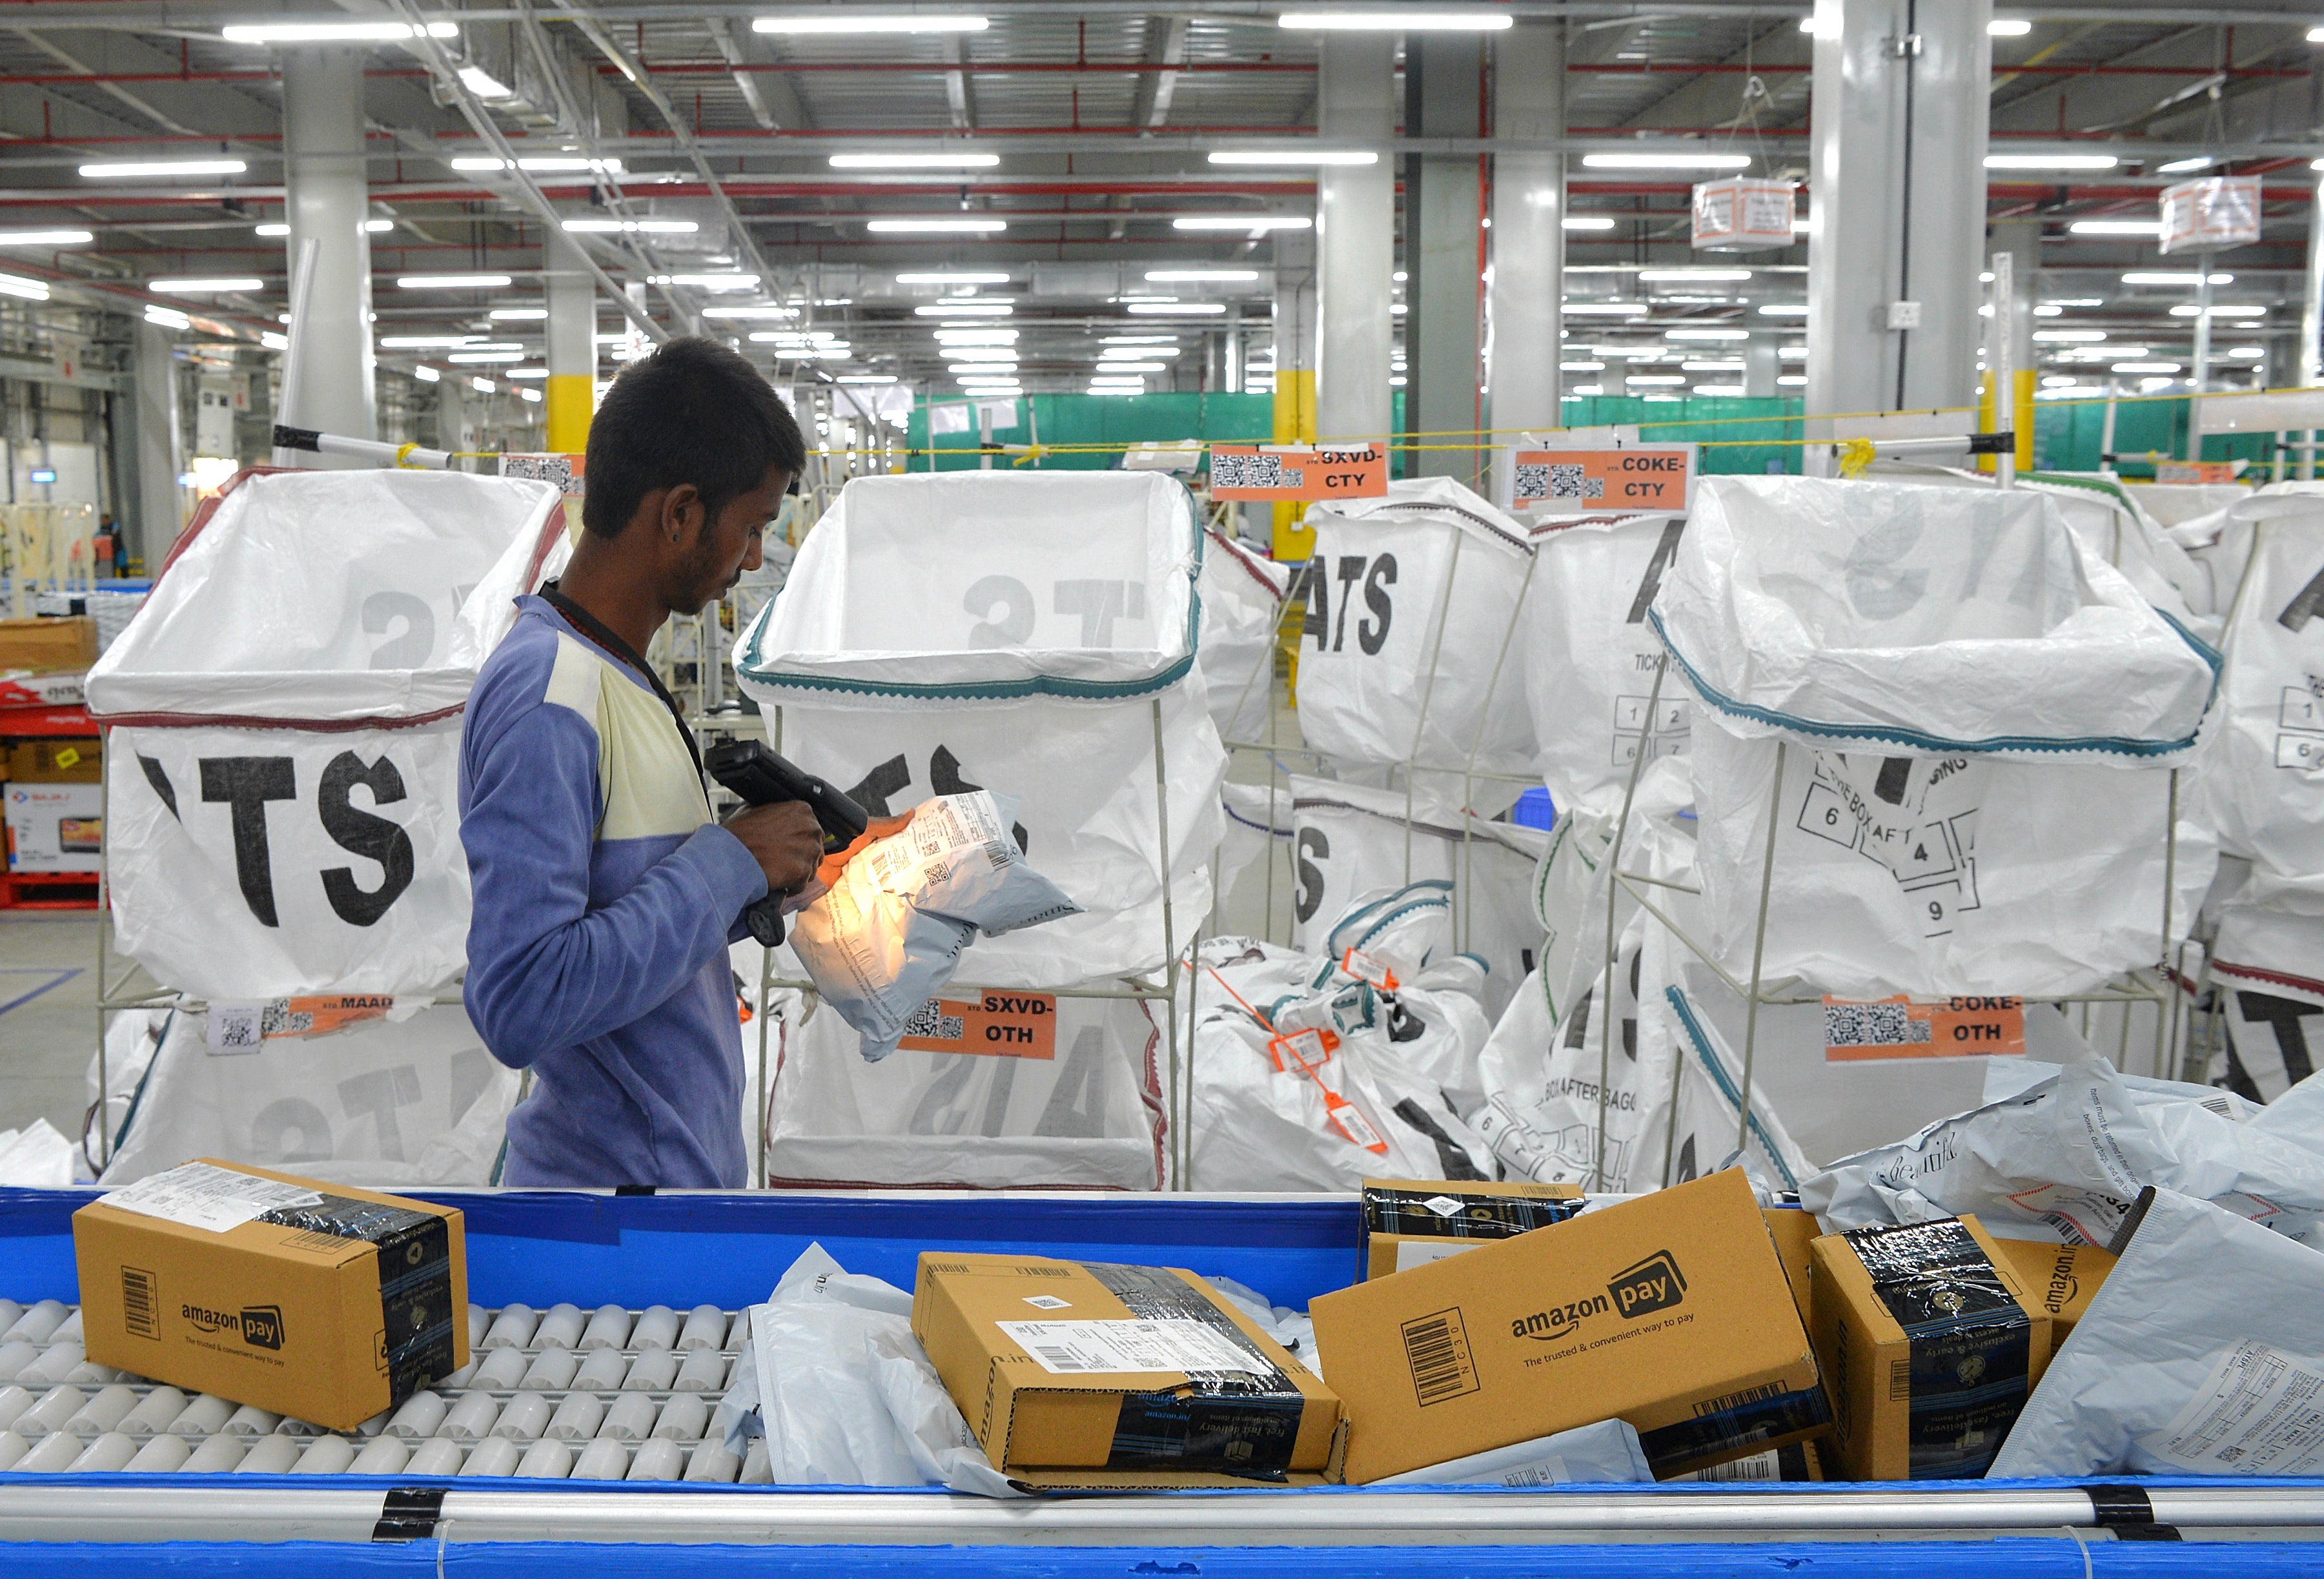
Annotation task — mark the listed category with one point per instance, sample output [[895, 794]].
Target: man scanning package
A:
[[605, 892]]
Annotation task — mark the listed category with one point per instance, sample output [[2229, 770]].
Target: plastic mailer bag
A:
[[1973, 718], [36, 1157], [1070, 1098], [392, 1103], [888, 935], [1411, 651], [941, 633], [2203, 1353], [1591, 654], [841, 1391], [328, 595], [1606, 1453], [1242, 607]]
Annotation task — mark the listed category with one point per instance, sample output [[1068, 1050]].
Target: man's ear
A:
[[682, 515]]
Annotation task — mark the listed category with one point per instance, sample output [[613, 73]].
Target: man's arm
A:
[[544, 970]]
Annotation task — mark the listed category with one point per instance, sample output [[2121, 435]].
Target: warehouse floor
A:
[[48, 1016]]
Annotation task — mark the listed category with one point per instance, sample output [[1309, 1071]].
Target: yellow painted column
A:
[[1294, 423], [570, 397]]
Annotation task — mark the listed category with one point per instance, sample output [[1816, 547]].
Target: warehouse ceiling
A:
[[1099, 119]]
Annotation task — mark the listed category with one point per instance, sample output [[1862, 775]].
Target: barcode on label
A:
[[1872, 1025], [996, 853], [930, 1020], [1900, 1382], [1436, 1348], [1570, 480], [139, 1312], [1735, 1400], [1252, 471], [1533, 480]]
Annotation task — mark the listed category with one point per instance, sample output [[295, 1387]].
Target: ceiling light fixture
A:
[[839, 21], [1160, 309], [866, 378], [751, 312], [25, 290], [1691, 276], [2164, 277], [1605, 309], [1408, 20], [160, 168], [593, 224], [1706, 334], [911, 226], [2008, 27], [1588, 222], [483, 83], [964, 309], [1295, 156], [2116, 227], [44, 238], [914, 161], [1184, 276], [451, 281], [332, 32], [2068, 336], [517, 314], [542, 163], [1253, 222], [1672, 161], [2050, 161], [206, 287], [2186, 166], [952, 279], [168, 318]]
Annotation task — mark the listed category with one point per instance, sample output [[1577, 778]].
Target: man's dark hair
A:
[[693, 412]]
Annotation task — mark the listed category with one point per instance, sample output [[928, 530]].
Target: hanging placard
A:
[[1297, 471], [1742, 213], [2208, 215], [1622, 477]]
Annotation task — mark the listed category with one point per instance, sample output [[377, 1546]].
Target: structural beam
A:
[[1442, 258], [1523, 304], [325, 200], [1355, 242]]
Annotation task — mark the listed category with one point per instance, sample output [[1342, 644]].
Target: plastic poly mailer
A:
[[2203, 1353], [1606, 1453], [889, 933]]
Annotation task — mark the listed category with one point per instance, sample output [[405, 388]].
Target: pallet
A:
[[48, 891]]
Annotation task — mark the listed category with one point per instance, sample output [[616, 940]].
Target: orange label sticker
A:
[[1010, 1025], [1900, 1028], [2195, 471], [1652, 476], [1305, 1050], [1297, 471], [1349, 1120]]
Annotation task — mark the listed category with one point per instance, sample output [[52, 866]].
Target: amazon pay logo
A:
[[1654, 1284]]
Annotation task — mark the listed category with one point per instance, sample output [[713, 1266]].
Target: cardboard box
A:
[[55, 827], [68, 642], [66, 760], [1410, 1223], [1930, 1345], [1801, 1461], [23, 689], [2062, 1278], [1793, 1230], [1669, 1311], [1096, 1375], [318, 1301]]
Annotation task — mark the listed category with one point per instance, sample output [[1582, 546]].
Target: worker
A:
[[605, 894]]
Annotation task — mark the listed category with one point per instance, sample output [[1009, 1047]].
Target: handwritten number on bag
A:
[[1311, 841]]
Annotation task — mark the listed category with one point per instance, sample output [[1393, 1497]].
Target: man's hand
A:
[[785, 839]]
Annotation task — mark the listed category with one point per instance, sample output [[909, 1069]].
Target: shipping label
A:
[[1905, 1028], [2259, 1412], [1086, 1348], [199, 1195]]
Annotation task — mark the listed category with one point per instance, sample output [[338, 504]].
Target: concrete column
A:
[[2310, 357], [1523, 308], [1443, 254], [1231, 364], [1761, 365], [1355, 239], [156, 510], [570, 395], [325, 199], [1895, 205], [1294, 372], [2022, 240]]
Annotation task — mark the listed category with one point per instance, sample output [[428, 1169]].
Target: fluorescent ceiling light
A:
[[2146, 367], [542, 163], [1135, 353], [914, 161], [727, 281], [1672, 161], [1295, 156], [426, 342], [1711, 368], [964, 309], [2068, 336], [867, 378], [1719, 389], [2248, 352], [976, 336], [2064, 302], [451, 281], [1655, 378], [481, 386], [168, 318], [528, 373], [1408, 20], [2161, 277], [1581, 367], [33, 290], [517, 314], [379, 227], [209, 286], [1254, 223], [1156, 308], [1175, 276], [1694, 276], [483, 83], [2185, 166], [952, 279], [1136, 368], [1154, 340], [1589, 222], [845, 21], [482, 356], [753, 312], [272, 341], [593, 224], [529, 394], [1605, 309], [2050, 161], [44, 238], [2316, 35], [1784, 309], [2116, 227], [1706, 334], [425, 374], [131, 168], [2008, 27], [331, 33], [2190, 311], [271, 227], [914, 226]]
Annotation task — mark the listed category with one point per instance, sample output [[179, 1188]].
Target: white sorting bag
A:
[[283, 781], [1591, 654], [1976, 722], [1411, 649], [950, 631], [2269, 976], [2265, 790], [1243, 596]]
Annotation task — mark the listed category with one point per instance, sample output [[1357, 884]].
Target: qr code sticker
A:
[[1533, 480], [930, 1020], [1567, 481], [1249, 471], [1872, 1025]]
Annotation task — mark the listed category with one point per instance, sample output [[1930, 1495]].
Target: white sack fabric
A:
[[1412, 605], [321, 596], [1088, 1115], [270, 862], [947, 633], [2269, 975], [1590, 655], [1242, 607], [1974, 716], [888, 935], [2203, 1353], [2265, 792], [384, 1103]]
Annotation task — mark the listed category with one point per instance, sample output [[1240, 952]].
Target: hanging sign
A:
[[1900, 1028], [1742, 213], [1260, 472], [2195, 471], [2204, 215], [1624, 477], [1011, 1025]]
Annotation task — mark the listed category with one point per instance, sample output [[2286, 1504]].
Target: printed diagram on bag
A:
[[2301, 746], [1663, 736], [1910, 819]]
